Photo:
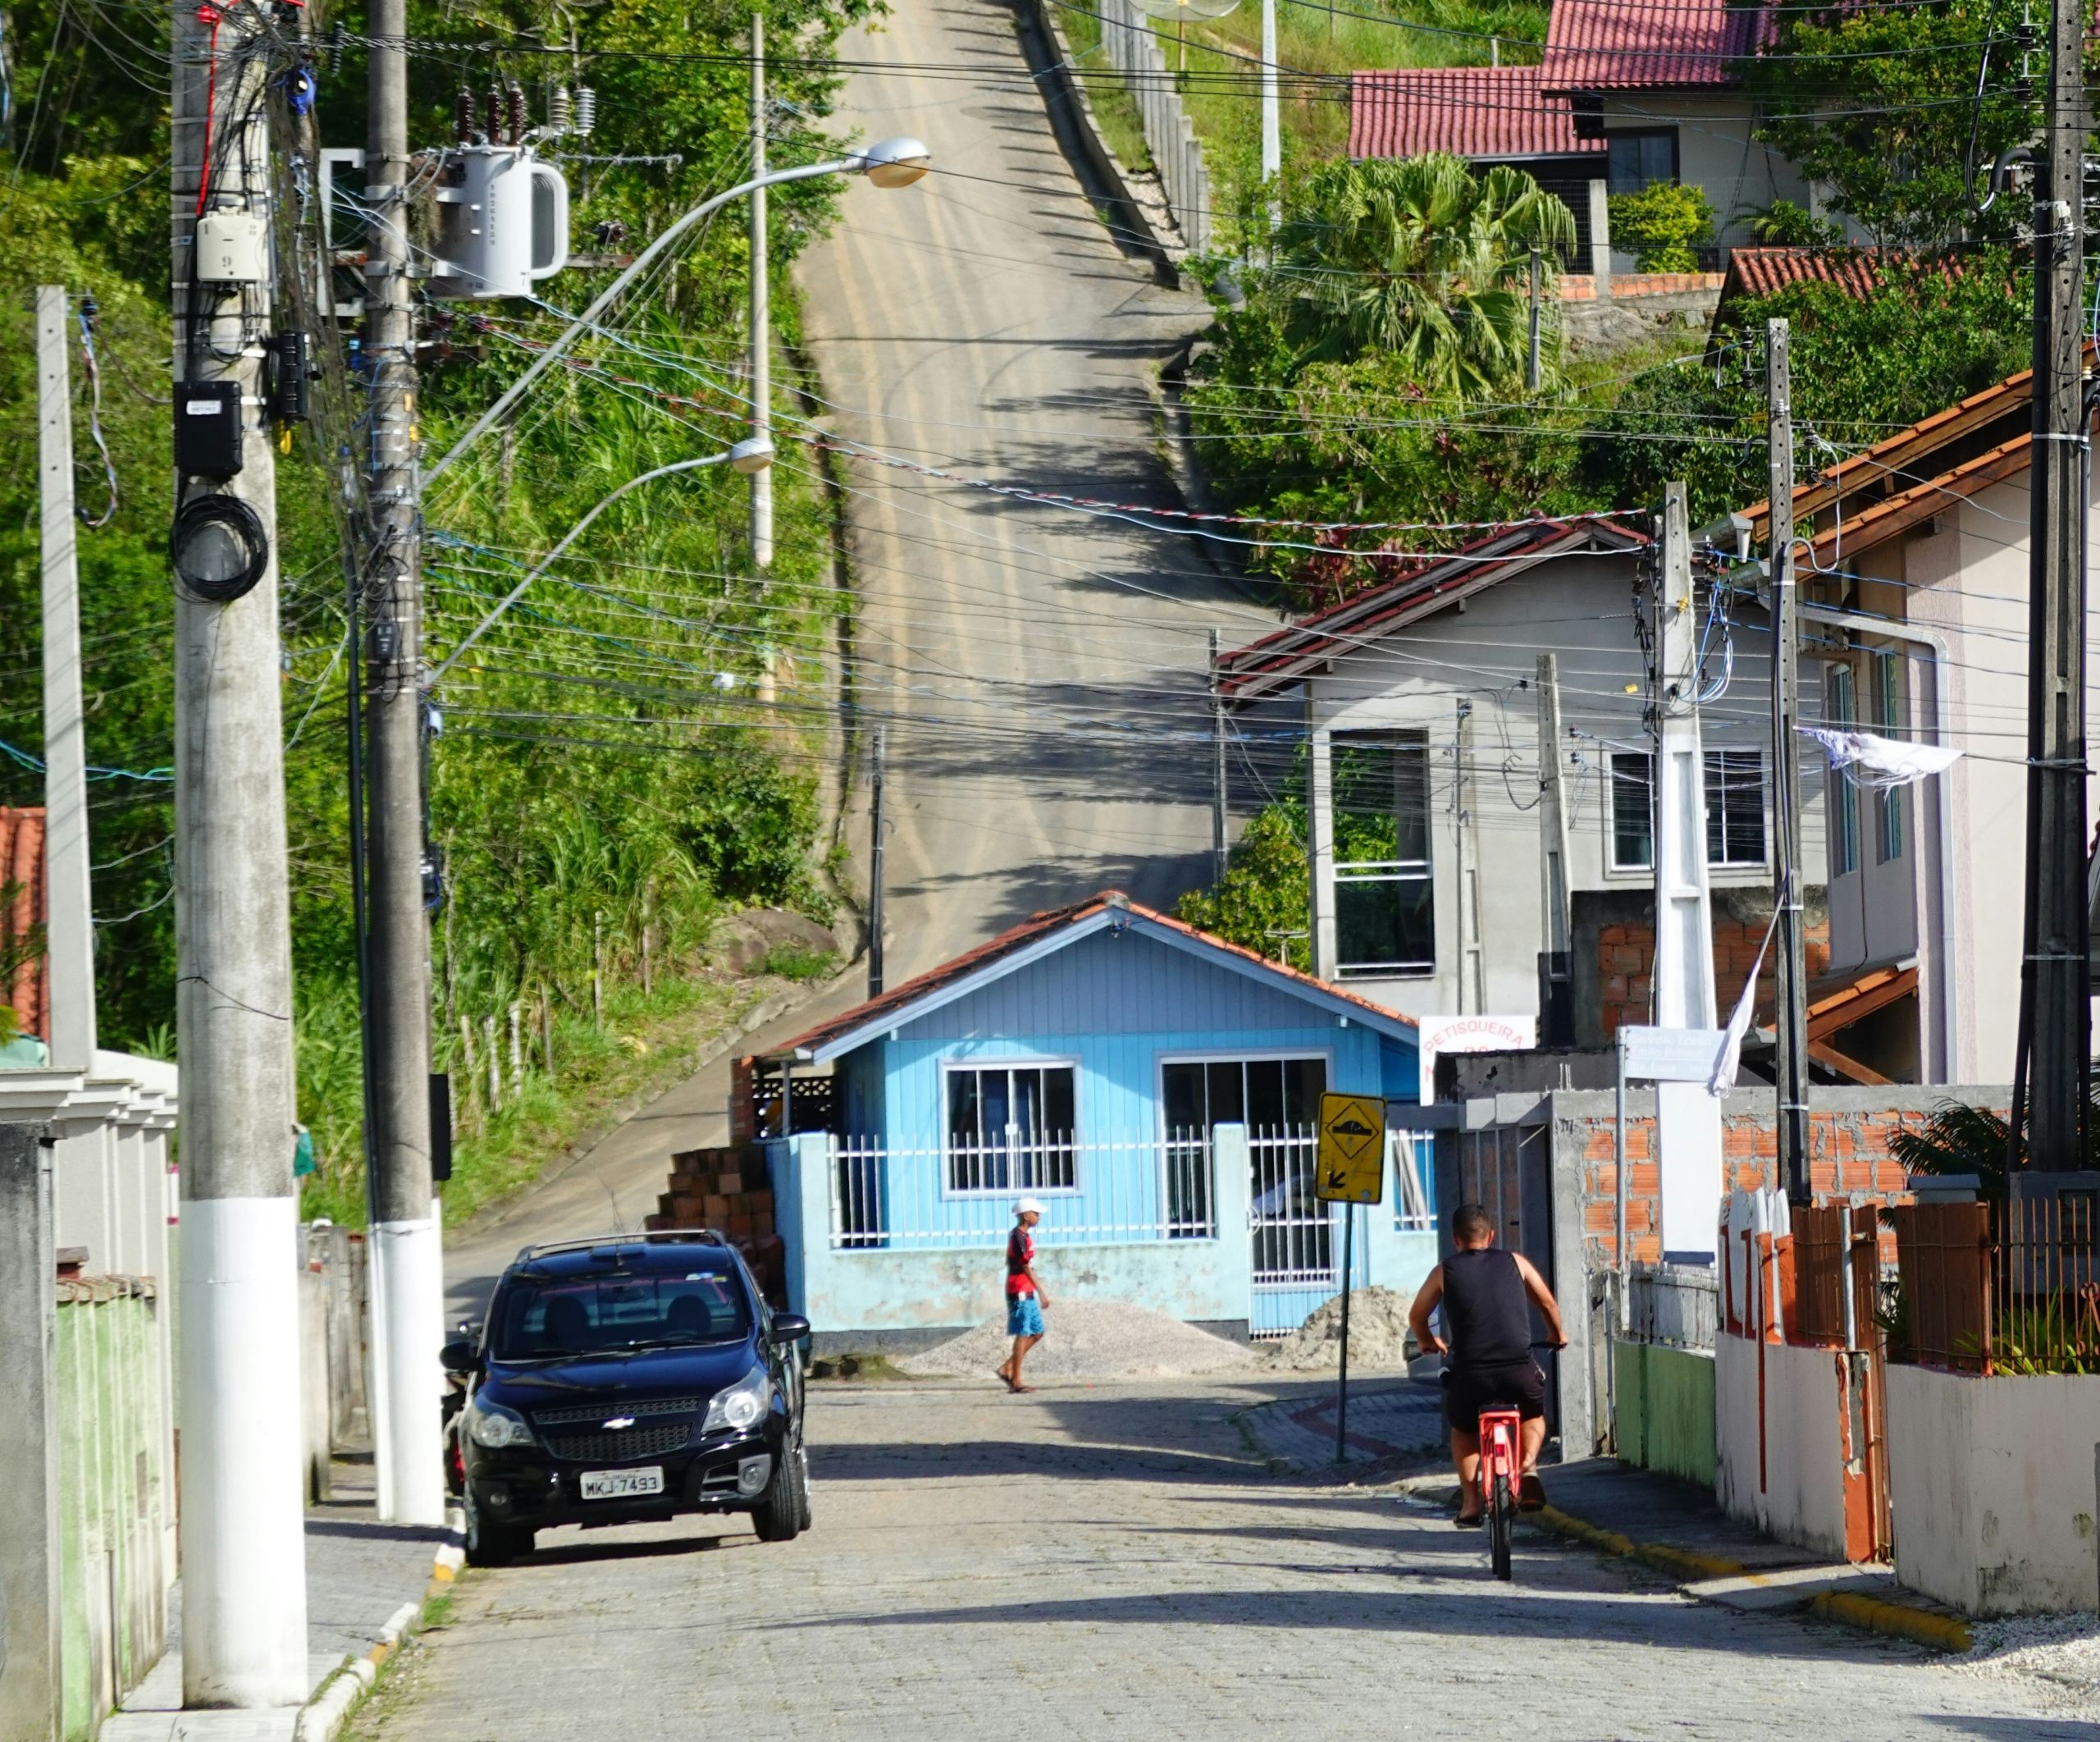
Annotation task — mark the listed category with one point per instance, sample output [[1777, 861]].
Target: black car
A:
[[627, 1378]]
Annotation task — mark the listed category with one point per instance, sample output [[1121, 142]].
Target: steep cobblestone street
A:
[[1113, 1560]]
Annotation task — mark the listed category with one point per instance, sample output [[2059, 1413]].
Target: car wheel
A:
[[494, 1545], [778, 1517]]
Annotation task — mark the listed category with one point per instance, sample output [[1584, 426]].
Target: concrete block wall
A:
[[727, 1189], [1626, 958]]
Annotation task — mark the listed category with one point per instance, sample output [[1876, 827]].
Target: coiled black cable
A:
[[238, 522]]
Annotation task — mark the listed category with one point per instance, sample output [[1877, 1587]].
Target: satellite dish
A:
[[1184, 8]]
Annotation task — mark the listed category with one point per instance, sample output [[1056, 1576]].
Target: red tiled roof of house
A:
[[21, 864], [1039, 926], [1474, 112], [1606, 45], [1425, 585], [1765, 272]]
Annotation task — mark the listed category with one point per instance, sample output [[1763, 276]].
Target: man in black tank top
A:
[[1486, 1294]]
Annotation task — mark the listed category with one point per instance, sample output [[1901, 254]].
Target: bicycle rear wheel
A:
[[1501, 1511]]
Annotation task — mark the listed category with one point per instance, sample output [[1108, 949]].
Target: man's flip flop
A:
[[1464, 1522]]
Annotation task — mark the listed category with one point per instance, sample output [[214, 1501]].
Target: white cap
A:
[[1027, 1207]]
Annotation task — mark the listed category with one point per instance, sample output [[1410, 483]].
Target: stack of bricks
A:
[[1626, 957], [726, 1190]]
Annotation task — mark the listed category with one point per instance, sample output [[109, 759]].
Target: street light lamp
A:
[[754, 454], [890, 163]]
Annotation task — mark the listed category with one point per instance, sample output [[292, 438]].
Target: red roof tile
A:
[[22, 864], [1765, 272], [1039, 926], [1475, 112], [1605, 45]]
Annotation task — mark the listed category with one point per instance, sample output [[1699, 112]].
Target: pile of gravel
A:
[[1087, 1340], [1377, 1335], [2061, 1651]]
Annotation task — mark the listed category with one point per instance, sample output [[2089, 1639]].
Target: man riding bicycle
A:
[[1486, 1293]]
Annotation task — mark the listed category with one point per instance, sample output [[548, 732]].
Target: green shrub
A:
[[1663, 227]]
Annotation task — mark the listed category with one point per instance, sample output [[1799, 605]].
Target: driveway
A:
[[1109, 1562], [1042, 672]]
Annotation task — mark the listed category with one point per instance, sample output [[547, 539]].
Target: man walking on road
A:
[[1487, 1294], [1024, 1296]]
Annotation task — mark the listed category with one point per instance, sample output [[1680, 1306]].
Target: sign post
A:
[[1349, 1170]]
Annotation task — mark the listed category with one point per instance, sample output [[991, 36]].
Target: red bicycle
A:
[[1501, 1470]]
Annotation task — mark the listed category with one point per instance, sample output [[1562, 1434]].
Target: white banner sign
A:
[[1471, 1034], [1670, 1055]]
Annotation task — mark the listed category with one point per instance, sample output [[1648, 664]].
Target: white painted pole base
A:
[[407, 1440], [244, 1526]]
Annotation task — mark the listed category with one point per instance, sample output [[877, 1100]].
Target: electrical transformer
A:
[[502, 223]]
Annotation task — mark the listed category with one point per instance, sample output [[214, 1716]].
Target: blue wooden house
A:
[[1156, 1087]]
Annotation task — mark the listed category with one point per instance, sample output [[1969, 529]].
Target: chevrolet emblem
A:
[[621, 1421]]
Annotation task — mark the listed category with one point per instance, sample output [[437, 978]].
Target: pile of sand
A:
[[1087, 1340], [1377, 1335]]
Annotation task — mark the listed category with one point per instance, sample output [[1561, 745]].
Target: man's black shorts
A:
[[1468, 1390]]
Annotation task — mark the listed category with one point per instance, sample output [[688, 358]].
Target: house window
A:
[[1635, 162], [1841, 710], [1385, 887], [1888, 714], [1276, 1099], [1735, 809], [1011, 1128]]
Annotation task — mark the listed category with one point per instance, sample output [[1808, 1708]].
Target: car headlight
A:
[[742, 1405], [494, 1426]]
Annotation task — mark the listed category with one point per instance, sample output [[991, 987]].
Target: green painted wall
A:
[[1663, 1410]]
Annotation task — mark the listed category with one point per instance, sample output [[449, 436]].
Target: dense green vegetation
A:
[[604, 781]]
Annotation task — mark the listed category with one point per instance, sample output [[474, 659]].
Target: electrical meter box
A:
[[502, 224], [207, 428], [232, 247]]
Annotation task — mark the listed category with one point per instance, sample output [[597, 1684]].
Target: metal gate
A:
[[1507, 1171], [1293, 1241]]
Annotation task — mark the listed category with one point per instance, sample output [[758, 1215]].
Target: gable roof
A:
[[1480, 112], [1624, 45], [1040, 934], [21, 863], [1765, 272], [1426, 587]]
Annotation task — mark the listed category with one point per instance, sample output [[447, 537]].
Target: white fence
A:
[[1129, 39], [1678, 1306], [962, 1195]]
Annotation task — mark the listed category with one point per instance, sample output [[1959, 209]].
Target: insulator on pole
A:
[[561, 114], [514, 107], [492, 114], [587, 111], [463, 116]]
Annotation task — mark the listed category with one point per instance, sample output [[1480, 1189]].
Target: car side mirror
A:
[[789, 1328], [458, 1356]]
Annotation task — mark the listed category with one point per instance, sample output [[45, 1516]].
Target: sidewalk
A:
[[1389, 1417], [360, 1575], [1680, 1530]]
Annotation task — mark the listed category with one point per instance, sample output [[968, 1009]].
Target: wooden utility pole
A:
[[243, 1490], [1791, 1055], [2054, 1014], [408, 1325], [1556, 931], [69, 929], [1220, 796], [875, 876]]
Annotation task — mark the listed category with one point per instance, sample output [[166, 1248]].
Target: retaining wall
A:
[[1991, 1488], [1780, 1416]]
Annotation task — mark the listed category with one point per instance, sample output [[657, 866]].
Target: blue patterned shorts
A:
[[1023, 1316]]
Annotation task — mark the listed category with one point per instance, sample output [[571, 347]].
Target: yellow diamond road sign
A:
[[1352, 1159]]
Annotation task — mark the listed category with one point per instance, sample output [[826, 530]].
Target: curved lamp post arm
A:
[[569, 538], [611, 294]]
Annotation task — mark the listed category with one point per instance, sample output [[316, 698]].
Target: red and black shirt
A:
[[1021, 1254]]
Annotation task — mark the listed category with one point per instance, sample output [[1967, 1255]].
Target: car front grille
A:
[[620, 1445], [605, 1411]]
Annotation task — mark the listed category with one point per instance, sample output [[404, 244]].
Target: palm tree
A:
[[1421, 259]]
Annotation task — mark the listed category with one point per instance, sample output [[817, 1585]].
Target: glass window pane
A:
[[1411, 801], [1633, 828], [1264, 1108], [962, 1105], [1843, 802], [1059, 1118], [1735, 807], [1227, 1087], [1386, 923], [1304, 1082], [1181, 1093]]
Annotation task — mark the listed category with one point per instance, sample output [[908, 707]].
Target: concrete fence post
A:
[[29, 1670], [1232, 1195], [1601, 237]]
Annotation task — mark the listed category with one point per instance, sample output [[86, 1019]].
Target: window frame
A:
[[1764, 858], [1408, 873], [1617, 868], [1841, 808], [1671, 135], [1890, 836], [1036, 1062]]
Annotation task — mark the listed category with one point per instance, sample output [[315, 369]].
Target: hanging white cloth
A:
[[1878, 763], [1730, 1057]]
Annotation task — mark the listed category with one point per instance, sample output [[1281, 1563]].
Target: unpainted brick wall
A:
[[1848, 1152], [1626, 959]]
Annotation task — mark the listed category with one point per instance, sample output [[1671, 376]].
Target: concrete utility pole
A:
[[1271, 114], [409, 1287], [1557, 926], [761, 335], [243, 1546], [1532, 367], [69, 928], [1792, 1011], [2055, 1015], [875, 876], [1688, 1119], [1472, 970], [1219, 795]]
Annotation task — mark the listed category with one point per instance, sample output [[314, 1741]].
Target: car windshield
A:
[[616, 1315]]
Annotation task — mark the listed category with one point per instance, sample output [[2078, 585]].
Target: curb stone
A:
[[322, 1717]]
